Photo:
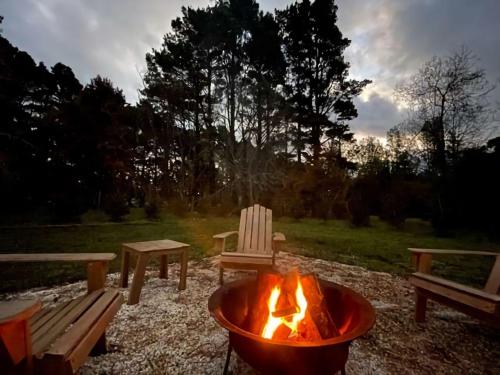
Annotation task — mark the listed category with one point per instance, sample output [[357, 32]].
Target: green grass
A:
[[378, 247]]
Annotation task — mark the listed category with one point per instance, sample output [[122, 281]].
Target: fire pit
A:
[[234, 303]]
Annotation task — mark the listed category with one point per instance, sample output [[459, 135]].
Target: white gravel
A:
[[171, 332]]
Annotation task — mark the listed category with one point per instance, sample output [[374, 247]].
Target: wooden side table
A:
[[15, 332], [145, 251]]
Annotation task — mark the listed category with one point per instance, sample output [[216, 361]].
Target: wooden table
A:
[[15, 332], [145, 251]]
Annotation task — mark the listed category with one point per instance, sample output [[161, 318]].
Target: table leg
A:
[[184, 266], [138, 279], [163, 266], [125, 267]]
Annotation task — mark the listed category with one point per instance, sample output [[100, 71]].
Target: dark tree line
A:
[[240, 106]]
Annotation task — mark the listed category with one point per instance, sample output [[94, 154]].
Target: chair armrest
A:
[[451, 252], [278, 239], [220, 240], [225, 234]]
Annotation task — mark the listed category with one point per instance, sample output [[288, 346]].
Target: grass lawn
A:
[[378, 247]]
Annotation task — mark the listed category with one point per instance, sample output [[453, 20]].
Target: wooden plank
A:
[[96, 275], [261, 246], [58, 257], [225, 234], [254, 246], [269, 231], [493, 283], [64, 344], [245, 255], [248, 230], [46, 315], [459, 287], [452, 252], [84, 346], [138, 279], [163, 267], [475, 300], [249, 260], [424, 263], [152, 246], [241, 232], [59, 323]]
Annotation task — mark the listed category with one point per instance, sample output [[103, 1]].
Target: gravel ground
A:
[[171, 332]]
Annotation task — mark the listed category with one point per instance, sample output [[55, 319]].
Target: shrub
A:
[[116, 206], [152, 209]]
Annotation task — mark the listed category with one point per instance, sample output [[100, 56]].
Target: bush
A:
[[152, 209], [116, 206], [178, 207]]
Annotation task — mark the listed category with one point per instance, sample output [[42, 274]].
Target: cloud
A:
[[390, 40], [376, 116]]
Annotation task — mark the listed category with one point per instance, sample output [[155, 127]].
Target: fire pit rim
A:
[[367, 320]]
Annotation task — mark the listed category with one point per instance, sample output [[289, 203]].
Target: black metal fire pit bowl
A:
[[352, 313]]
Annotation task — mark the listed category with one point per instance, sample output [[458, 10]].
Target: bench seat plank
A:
[[58, 257], [56, 326], [457, 292]]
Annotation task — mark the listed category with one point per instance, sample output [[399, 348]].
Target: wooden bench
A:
[[96, 263], [482, 304], [62, 337]]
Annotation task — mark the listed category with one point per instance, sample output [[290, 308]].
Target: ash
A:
[[171, 332]]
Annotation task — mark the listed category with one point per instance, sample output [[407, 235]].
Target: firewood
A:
[[260, 312], [286, 312], [317, 307]]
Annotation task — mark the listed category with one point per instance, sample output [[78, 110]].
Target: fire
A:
[[291, 320]]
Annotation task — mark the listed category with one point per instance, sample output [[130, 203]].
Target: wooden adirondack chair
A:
[[482, 304], [58, 340], [257, 245]]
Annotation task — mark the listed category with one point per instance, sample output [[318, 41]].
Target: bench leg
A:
[[96, 275], [125, 267], [138, 280], [420, 307], [184, 266], [100, 346], [163, 266]]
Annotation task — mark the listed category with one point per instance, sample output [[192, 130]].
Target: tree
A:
[[318, 87], [448, 103], [448, 107]]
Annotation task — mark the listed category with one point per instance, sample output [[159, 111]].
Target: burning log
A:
[[260, 311], [317, 307]]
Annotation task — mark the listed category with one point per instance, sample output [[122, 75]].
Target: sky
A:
[[391, 39]]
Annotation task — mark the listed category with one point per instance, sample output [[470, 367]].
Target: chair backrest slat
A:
[[254, 245], [241, 232], [261, 246], [493, 283], [255, 233], [269, 231], [248, 231]]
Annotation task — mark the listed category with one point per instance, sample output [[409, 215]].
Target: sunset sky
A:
[[390, 40]]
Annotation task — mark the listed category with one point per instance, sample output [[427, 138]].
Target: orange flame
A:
[[273, 322]]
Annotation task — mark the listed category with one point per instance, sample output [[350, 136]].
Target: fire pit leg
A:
[[228, 357]]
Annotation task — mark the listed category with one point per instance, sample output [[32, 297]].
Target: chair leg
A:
[[221, 275], [420, 307]]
